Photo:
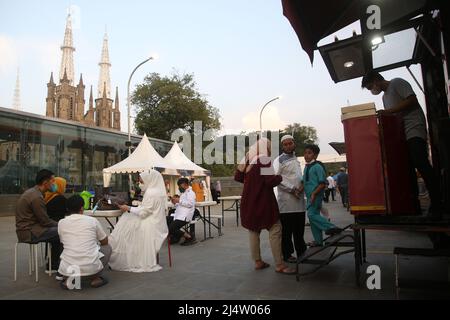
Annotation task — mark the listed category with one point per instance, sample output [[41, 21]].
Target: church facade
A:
[[66, 101]]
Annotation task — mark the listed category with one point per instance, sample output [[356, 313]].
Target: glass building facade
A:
[[78, 153]]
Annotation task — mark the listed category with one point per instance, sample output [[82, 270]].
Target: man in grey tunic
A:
[[399, 98], [291, 200]]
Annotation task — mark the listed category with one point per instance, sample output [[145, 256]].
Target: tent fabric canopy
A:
[[314, 20], [176, 159], [144, 157]]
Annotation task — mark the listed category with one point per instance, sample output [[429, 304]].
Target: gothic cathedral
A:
[[66, 101]]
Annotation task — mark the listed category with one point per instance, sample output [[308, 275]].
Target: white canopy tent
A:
[[178, 160], [144, 157]]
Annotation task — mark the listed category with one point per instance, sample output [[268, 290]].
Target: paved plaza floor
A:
[[221, 269]]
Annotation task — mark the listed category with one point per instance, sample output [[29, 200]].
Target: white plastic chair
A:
[[33, 258]]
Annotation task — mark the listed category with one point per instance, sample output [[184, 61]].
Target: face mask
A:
[[181, 189], [54, 188], [375, 91]]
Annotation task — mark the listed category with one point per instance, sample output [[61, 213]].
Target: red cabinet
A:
[[377, 158]]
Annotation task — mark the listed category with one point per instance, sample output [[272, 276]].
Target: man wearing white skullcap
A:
[[291, 200]]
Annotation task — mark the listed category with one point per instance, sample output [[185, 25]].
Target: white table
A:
[[203, 205], [234, 207], [105, 214]]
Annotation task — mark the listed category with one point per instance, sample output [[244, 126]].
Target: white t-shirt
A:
[[331, 183], [185, 208], [80, 235]]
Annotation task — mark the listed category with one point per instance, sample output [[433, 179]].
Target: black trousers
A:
[[293, 226], [174, 226], [418, 159], [327, 194], [343, 190], [51, 235]]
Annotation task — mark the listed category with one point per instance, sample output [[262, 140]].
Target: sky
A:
[[242, 54]]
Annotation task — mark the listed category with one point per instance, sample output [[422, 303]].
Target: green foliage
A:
[[165, 104], [303, 135]]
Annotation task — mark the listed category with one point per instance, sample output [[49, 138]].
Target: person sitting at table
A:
[[55, 200], [80, 236], [141, 231], [184, 212]]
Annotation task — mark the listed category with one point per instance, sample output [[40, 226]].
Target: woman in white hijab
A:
[[141, 231]]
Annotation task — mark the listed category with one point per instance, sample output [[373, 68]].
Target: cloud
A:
[[270, 120], [8, 54]]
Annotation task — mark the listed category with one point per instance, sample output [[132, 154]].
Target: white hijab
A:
[[155, 197], [260, 148]]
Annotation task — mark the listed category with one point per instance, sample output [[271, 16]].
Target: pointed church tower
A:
[[16, 100], [51, 87], [90, 114], [79, 112], [67, 53], [116, 112], [104, 79], [103, 110]]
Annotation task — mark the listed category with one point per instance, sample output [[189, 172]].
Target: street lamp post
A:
[[129, 105], [262, 109]]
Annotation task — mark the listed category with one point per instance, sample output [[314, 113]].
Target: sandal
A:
[[285, 270], [262, 265], [313, 244], [99, 284]]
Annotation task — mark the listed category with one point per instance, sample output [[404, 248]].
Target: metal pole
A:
[[415, 79], [129, 106], [129, 115], [260, 114]]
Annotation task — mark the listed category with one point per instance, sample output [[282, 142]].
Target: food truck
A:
[[394, 34]]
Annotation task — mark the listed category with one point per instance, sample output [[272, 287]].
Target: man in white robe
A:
[[291, 200]]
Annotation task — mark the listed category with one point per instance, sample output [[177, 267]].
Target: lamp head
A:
[[154, 56]]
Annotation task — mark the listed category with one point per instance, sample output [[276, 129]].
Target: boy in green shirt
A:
[[314, 181]]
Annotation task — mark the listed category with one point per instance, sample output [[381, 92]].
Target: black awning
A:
[[339, 147], [314, 20]]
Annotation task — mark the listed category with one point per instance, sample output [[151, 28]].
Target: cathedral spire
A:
[[16, 100], [65, 78], [51, 79], [104, 80], [91, 101], [116, 101], [67, 53]]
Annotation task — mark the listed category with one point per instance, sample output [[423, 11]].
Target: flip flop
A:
[[286, 270], [264, 265], [101, 283]]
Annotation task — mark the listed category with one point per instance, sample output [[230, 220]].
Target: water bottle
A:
[[95, 208]]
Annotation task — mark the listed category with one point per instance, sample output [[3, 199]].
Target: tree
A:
[[303, 135], [165, 104]]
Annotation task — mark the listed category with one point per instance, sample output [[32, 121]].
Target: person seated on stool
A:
[[81, 236], [33, 225], [184, 211]]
